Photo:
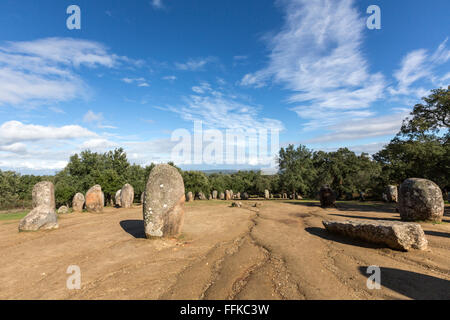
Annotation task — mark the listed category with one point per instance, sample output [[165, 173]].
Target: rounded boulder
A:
[[420, 200]]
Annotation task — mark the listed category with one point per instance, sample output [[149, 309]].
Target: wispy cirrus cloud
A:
[[197, 64], [421, 65], [317, 55], [221, 110], [141, 82]]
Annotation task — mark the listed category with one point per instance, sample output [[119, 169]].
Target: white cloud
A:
[[91, 116], [141, 82], [14, 131], [194, 64], [170, 78], [45, 70], [14, 148], [98, 143], [202, 88], [388, 125], [157, 4], [317, 55]]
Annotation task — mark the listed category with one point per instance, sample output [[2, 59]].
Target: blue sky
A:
[[138, 70]]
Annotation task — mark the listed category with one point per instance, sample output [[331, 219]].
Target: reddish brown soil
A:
[[279, 251]]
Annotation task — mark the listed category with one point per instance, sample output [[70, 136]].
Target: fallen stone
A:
[[237, 204], [396, 235], [164, 202]]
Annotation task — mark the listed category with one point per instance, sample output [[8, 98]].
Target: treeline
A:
[[421, 149]]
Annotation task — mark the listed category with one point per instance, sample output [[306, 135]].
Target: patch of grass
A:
[[13, 216]]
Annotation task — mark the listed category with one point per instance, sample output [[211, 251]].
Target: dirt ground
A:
[[279, 251]]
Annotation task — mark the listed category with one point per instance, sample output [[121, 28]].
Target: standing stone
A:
[[189, 197], [231, 194], [285, 196], [245, 196], [142, 198], [238, 195], [118, 198], [78, 202], [201, 196], [210, 197], [299, 197], [384, 197], [266, 194], [43, 216], [420, 200], [164, 202], [127, 196], [63, 210], [222, 196], [327, 197], [227, 195], [214, 194], [95, 199], [392, 194]]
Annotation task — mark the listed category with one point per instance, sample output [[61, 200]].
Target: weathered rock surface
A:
[[327, 197], [266, 194], [392, 194], [238, 195], [227, 195], [222, 196], [237, 204], [118, 198], [78, 202], [214, 194], [189, 197], [420, 200], [95, 199], [127, 196], [43, 195], [63, 210], [164, 202], [201, 196], [43, 216], [396, 235]]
